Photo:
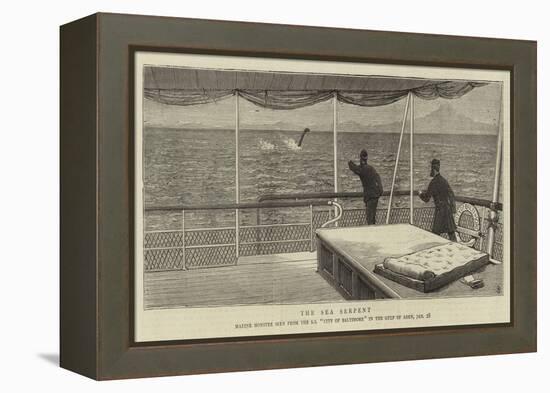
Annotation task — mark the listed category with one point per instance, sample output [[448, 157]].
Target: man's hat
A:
[[363, 155], [436, 163]]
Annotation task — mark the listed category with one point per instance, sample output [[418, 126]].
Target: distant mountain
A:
[[278, 125], [184, 125], [353, 126], [445, 120]]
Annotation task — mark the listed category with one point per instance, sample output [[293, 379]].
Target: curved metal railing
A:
[[339, 212]]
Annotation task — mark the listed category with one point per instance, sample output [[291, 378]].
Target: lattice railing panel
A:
[[274, 248], [163, 259], [163, 239], [398, 216], [320, 217], [497, 247], [264, 233], [499, 235], [353, 217], [216, 246], [206, 237], [423, 217], [484, 227], [210, 257]]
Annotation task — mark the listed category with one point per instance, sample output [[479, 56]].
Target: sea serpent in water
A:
[[306, 130]]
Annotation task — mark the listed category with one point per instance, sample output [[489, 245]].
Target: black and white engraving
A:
[[279, 188]]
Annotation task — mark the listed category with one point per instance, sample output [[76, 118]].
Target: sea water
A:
[[190, 167]]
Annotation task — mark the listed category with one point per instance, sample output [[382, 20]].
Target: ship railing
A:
[[190, 248], [475, 217]]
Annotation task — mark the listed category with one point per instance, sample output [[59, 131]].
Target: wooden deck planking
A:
[[267, 282]]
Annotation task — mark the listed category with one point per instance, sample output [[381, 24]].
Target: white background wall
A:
[[29, 167]]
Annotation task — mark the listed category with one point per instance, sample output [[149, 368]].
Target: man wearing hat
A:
[[444, 200], [372, 185]]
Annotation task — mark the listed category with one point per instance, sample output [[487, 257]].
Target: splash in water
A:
[[266, 146], [291, 144]]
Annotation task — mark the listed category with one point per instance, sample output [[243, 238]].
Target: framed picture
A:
[[242, 196]]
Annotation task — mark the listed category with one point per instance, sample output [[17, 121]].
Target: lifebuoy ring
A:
[[473, 224]]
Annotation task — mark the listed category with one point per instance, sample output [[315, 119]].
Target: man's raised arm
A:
[[354, 167]]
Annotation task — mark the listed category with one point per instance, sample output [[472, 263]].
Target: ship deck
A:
[[284, 278], [265, 279]]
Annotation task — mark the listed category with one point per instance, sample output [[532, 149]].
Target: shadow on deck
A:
[[264, 279]]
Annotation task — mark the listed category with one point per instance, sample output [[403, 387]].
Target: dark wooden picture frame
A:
[[96, 270]]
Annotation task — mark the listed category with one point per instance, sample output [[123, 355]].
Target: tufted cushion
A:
[[429, 263]]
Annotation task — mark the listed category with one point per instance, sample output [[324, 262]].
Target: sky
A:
[[481, 105]]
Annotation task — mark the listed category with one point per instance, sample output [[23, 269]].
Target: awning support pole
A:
[[496, 186], [237, 180], [397, 158], [312, 230], [183, 261], [335, 141], [411, 149]]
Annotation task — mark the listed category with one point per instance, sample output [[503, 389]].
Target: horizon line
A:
[[323, 131]]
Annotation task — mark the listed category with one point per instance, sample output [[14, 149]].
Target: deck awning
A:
[[285, 90]]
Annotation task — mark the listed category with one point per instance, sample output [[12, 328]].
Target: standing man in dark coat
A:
[[372, 185], [444, 200]]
